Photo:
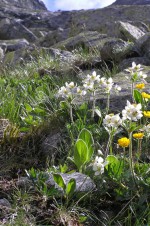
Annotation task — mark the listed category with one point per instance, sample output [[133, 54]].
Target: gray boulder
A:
[[138, 60], [143, 44], [12, 29], [128, 32], [116, 50], [13, 45], [4, 203], [54, 37], [83, 182], [87, 40]]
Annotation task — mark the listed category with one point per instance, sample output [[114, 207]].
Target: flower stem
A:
[[139, 147], [109, 144], [108, 103], [94, 102], [71, 114], [131, 158], [132, 91]]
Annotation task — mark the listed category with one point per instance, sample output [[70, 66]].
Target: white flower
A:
[[147, 129], [132, 112], [81, 92], [98, 165], [134, 68], [88, 85], [95, 77], [107, 84], [91, 81], [117, 88], [64, 92], [102, 81], [112, 120], [70, 85], [141, 75], [116, 120], [99, 152]]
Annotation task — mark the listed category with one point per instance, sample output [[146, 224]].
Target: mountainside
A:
[[26, 4], [132, 2]]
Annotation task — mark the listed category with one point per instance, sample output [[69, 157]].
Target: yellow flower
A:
[[140, 86], [146, 114], [124, 142], [145, 95], [138, 135]]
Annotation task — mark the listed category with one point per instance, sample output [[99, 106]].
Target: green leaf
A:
[[80, 153], [138, 96], [114, 166], [63, 105], [28, 107], [71, 186], [63, 168], [59, 180], [87, 137]]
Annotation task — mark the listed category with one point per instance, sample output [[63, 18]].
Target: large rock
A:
[[128, 32], [13, 45], [54, 37], [12, 29], [83, 182], [116, 50], [126, 63], [86, 40], [144, 44]]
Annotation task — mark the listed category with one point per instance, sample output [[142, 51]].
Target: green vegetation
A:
[[112, 149]]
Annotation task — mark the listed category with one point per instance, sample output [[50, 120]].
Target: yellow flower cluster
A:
[[146, 114], [140, 86], [138, 135], [145, 95], [124, 142]]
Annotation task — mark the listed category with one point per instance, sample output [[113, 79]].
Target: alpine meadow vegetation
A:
[[109, 147]]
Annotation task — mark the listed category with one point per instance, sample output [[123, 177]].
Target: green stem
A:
[[71, 114], [132, 91], [139, 147], [108, 103], [94, 102], [109, 144], [131, 158]]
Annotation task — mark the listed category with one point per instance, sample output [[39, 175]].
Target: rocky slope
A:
[[132, 2], [117, 32], [27, 4]]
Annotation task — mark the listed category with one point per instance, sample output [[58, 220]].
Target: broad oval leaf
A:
[[80, 153], [59, 180], [71, 186], [87, 137]]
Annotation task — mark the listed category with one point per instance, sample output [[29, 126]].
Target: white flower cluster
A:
[[94, 82], [112, 120], [70, 90], [99, 165], [136, 72], [132, 112], [91, 83]]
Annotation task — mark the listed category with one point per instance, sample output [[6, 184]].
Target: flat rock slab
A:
[[83, 182]]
